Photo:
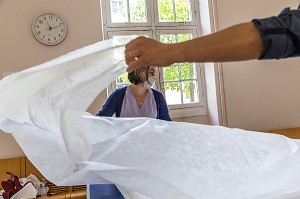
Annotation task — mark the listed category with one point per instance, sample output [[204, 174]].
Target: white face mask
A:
[[148, 84]]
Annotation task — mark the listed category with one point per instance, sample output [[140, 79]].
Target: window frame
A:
[[198, 69], [154, 30]]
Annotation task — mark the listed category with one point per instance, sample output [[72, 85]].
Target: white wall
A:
[[259, 95], [20, 50]]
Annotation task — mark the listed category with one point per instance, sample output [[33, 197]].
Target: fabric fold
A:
[[43, 107]]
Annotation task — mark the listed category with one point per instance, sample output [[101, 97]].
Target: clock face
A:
[[49, 28]]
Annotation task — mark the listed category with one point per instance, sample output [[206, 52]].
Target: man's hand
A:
[[144, 51]]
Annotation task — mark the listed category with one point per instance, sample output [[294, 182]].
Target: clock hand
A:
[[56, 26], [49, 27]]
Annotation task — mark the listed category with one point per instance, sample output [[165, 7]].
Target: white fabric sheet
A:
[[42, 108]]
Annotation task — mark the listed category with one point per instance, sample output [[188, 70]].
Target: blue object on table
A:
[[104, 191]]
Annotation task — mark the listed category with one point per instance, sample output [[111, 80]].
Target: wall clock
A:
[[49, 28]]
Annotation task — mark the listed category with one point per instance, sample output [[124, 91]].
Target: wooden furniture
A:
[[290, 132], [22, 167]]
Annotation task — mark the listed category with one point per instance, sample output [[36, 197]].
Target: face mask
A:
[[148, 84]]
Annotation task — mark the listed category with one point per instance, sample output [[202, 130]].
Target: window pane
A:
[[172, 93], [184, 37], [190, 91], [168, 38], [183, 10], [138, 11], [166, 11], [121, 13], [171, 73], [187, 71], [175, 38], [174, 10]]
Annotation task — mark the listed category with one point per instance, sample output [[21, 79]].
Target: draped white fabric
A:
[[42, 108]]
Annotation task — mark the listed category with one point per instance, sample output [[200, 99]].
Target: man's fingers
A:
[[133, 44], [128, 58], [131, 56], [132, 53], [136, 63]]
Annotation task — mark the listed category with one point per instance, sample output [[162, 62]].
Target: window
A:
[[168, 21]]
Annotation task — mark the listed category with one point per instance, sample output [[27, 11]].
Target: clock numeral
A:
[[41, 21], [48, 39], [55, 38], [43, 36], [39, 32], [59, 35]]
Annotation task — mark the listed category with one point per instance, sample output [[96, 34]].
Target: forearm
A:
[[269, 38], [239, 42]]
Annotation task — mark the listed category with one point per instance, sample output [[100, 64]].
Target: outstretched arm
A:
[[269, 38], [239, 42]]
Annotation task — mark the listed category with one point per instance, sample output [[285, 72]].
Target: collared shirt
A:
[[280, 34]]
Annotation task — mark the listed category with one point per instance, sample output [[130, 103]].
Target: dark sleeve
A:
[[110, 106], [280, 34], [163, 111]]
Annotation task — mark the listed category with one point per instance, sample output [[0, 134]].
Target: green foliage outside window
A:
[[138, 11], [168, 12]]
